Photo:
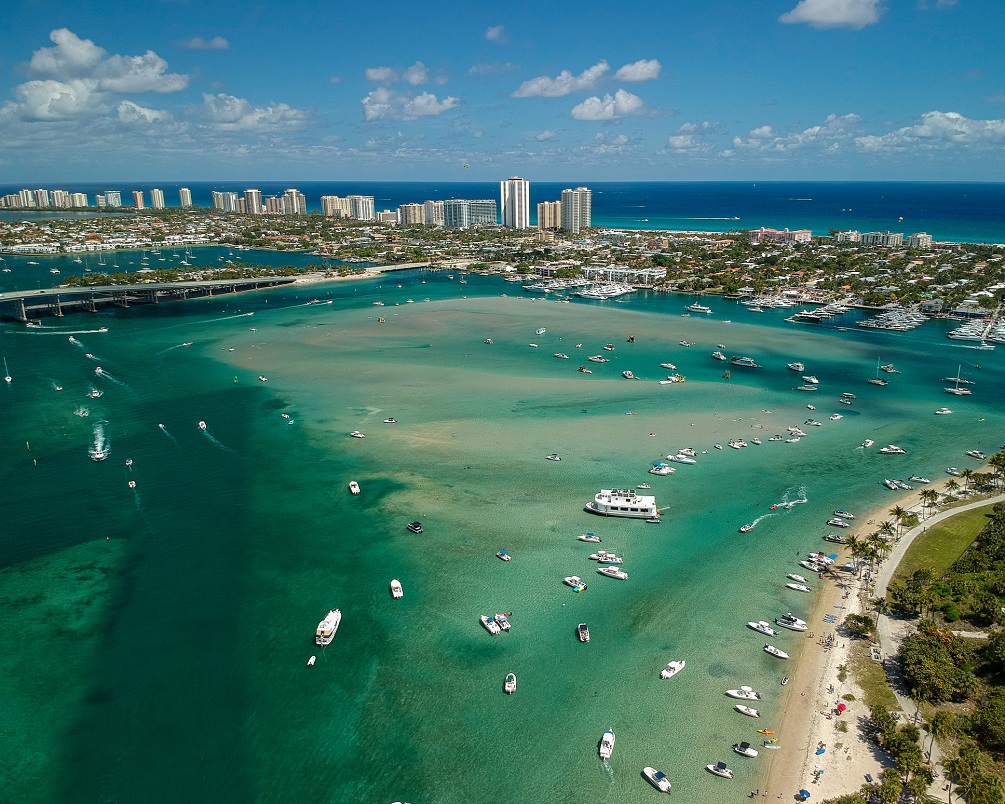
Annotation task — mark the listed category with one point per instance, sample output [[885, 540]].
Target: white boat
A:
[[797, 578], [263, 378], [744, 750], [811, 379], [627, 374], [509, 685], [607, 744], [681, 457], [606, 558], [670, 366], [744, 694], [868, 443], [415, 527], [799, 587], [310, 662], [327, 628], [552, 457], [720, 769], [202, 425], [792, 624], [396, 591], [976, 453], [353, 487], [807, 388], [490, 624], [743, 709], [673, 668], [840, 512], [589, 537], [719, 356], [540, 331], [892, 449], [623, 503], [835, 417], [835, 522], [643, 486], [919, 479], [575, 582], [698, 308], [613, 572], [797, 367], [503, 621], [762, 626], [357, 434], [583, 632], [952, 470], [561, 355], [781, 654], [657, 779], [503, 555], [598, 359], [943, 412], [391, 420], [660, 468]]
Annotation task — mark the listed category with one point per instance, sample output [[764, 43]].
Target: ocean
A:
[[959, 212], [158, 636]]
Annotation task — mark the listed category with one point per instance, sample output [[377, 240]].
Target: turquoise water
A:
[[158, 637]]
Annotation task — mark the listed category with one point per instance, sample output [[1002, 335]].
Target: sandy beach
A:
[[808, 722]]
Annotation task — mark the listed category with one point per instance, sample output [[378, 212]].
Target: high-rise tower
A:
[[515, 202]]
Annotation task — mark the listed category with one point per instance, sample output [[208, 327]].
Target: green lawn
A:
[[943, 543]]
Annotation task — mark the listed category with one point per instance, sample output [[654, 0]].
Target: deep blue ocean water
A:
[[962, 212]]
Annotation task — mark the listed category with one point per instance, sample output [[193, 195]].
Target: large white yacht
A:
[[623, 503], [327, 628]]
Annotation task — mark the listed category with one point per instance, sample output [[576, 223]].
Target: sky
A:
[[675, 90]]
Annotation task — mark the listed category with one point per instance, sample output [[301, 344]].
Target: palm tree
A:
[[929, 497], [898, 514], [941, 725], [997, 464], [886, 527], [952, 486], [966, 474]]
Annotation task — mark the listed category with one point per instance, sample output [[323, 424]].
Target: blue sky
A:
[[676, 90]]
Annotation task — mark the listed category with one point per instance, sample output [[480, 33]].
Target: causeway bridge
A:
[[28, 305]]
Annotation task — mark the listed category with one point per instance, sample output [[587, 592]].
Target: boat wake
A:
[[608, 770], [56, 331], [164, 430], [216, 443], [101, 443], [788, 501], [163, 352], [82, 412], [105, 375]]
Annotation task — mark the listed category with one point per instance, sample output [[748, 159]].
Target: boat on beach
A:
[[657, 779]]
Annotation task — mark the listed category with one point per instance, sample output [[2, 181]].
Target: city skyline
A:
[[819, 89]]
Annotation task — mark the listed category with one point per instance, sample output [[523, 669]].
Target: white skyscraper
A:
[[577, 209], [253, 202], [157, 198], [434, 213], [362, 207], [333, 206], [185, 197], [515, 202], [549, 215], [294, 203]]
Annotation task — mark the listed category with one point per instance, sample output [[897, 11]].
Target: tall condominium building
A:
[[460, 213], [113, 198], [274, 205], [333, 206], [185, 197], [549, 215], [920, 240], [410, 214], [362, 207], [138, 199], [851, 236], [387, 217], [294, 203], [26, 198], [577, 209], [225, 201], [157, 199], [79, 200], [253, 202], [434, 213], [882, 238], [515, 202], [61, 198], [41, 198]]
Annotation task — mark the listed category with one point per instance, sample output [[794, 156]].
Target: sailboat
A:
[[956, 390], [6, 373], [877, 380]]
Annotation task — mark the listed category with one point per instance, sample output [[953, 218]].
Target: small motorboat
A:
[[132, 484], [720, 769], [589, 537], [490, 624], [744, 750], [604, 557], [799, 587], [840, 512], [509, 685], [785, 680], [673, 668], [263, 378], [415, 527], [643, 486], [503, 555], [575, 582], [613, 572], [797, 578], [202, 425], [762, 627], [552, 457], [390, 421], [583, 632], [310, 662], [744, 694], [607, 744], [357, 434], [746, 710], [353, 487], [747, 528], [396, 591], [503, 621], [657, 779], [867, 443], [778, 652]]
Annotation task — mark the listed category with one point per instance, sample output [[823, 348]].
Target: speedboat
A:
[[327, 627], [509, 685], [835, 416], [797, 578], [868, 443], [889, 369], [670, 366], [613, 572], [806, 387], [811, 379], [353, 487], [263, 378], [847, 395], [719, 356], [584, 370], [489, 341], [672, 669], [830, 537], [798, 367], [396, 591], [503, 555], [310, 662], [844, 401], [943, 412], [844, 514], [744, 361], [490, 624], [776, 438], [763, 627], [643, 486], [561, 355], [415, 527], [607, 744], [657, 779], [755, 440], [202, 425], [583, 632], [744, 694], [919, 479], [891, 484], [893, 449], [812, 566], [952, 470], [598, 359], [976, 453], [605, 558], [627, 374], [799, 587], [660, 468], [746, 710], [575, 582], [792, 624], [720, 769], [681, 457], [357, 434], [785, 680], [553, 457], [390, 421], [744, 750], [747, 528], [503, 621], [589, 537], [835, 522], [781, 654]]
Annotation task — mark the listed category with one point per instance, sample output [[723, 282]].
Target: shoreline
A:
[[802, 725]]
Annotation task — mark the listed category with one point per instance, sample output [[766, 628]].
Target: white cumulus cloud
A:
[[383, 103], [836, 131], [70, 58], [416, 74], [381, 75], [228, 113], [496, 33], [565, 83], [939, 130], [690, 137], [198, 43], [547, 134], [641, 70], [610, 107], [60, 100], [134, 114], [853, 14]]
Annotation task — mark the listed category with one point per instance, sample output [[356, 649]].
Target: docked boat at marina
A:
[[743, 709], [623, 503], [327, 627], [607, 744], [778, 652], [763, 627], [744, 750], [657, 779], [613, 572], [744, 694], [720, 769], [673, 668]]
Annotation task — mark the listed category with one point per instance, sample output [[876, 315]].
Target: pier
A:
[[29, 305]]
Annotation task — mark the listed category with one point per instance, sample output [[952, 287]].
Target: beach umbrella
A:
[[804, 794], [841, 707]]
